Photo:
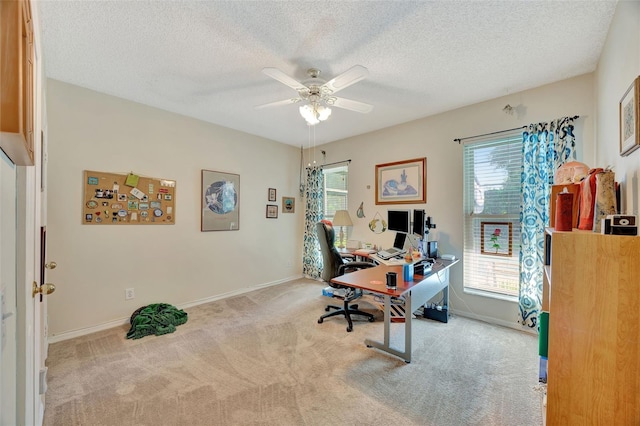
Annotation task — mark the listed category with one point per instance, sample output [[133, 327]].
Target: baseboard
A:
[[494, 321], [122, 321]]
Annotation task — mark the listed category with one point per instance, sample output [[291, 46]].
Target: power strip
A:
[[438, 313]]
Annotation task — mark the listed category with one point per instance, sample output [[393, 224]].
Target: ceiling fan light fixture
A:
[[313, 114], [323, 113], [319, 94]]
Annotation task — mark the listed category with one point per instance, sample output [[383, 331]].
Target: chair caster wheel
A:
[[369, 346], [349, 329], [327, 309], [320, 321], [371, 319]]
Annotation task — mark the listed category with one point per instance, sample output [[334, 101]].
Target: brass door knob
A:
[[51, 265], [47, 288]]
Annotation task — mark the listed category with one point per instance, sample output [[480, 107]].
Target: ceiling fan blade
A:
[[276, 74], [350, 105], [278, 103], [346, 79]]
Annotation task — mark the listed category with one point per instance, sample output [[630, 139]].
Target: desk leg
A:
[[386, 346]]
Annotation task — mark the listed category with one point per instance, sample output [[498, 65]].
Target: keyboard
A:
[[390, 252]]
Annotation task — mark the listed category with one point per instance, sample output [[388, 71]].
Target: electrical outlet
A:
[[129, 294]]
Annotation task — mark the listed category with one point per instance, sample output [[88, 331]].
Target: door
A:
[[9, 375]]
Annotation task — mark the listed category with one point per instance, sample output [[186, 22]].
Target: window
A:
[[336, 183], [491, 214]]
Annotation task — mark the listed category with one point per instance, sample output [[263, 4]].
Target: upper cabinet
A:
[[17, 81]]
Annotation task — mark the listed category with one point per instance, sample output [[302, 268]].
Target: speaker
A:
[[432, 249]]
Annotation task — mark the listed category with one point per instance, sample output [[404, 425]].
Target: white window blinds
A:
[[336, 184], [492, 171]]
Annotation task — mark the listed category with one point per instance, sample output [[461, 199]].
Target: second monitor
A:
[[419, 222], [398, 220]]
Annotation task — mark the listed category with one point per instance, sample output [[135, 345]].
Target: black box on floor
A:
[[441, 315]]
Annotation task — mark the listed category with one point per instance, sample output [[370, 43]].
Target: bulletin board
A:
[[127, 199]]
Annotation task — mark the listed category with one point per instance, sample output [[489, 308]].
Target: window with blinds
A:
[[336, 183], [491, 214]]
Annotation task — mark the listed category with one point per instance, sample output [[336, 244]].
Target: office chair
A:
[[335, 266]]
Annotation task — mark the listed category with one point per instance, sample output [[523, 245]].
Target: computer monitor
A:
[[418, 222], [398, 242], [398, 220]]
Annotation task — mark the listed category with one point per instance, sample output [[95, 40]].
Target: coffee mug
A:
[[392, 279]]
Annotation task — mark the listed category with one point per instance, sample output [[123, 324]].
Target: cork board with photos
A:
[[127, 199]]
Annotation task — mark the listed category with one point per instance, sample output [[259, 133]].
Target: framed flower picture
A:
[[496, 238]]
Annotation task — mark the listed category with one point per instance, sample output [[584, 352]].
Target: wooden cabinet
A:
[[17, 81], [592, 294]]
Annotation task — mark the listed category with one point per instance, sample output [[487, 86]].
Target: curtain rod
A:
[[488, 134], [335, 162], [503, 131]]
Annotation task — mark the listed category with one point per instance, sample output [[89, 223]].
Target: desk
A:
[[394, 261], [357, 254], [415, 293]]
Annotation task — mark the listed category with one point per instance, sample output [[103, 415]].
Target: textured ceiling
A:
[[204, 58]]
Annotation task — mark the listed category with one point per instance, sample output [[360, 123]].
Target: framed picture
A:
[[496, 238], [272, 211], [288, 205], [220, 201], [630, 119], [402, 182], [272, 194]]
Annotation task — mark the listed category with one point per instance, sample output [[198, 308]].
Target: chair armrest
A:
[[354, 265]]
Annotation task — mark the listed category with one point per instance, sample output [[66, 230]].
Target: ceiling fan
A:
[[320, 94]]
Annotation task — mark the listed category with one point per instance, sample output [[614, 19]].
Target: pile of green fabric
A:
[[157, 318]]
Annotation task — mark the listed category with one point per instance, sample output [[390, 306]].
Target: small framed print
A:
[[629, 112], [496, 238], [288, 205], [272, 211], [272, 194]]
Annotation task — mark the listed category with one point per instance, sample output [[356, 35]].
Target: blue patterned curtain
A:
[[314, 196], [545, 147]]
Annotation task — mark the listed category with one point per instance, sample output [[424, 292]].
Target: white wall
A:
[[88, 130], [432, 137], [619, 65], [175, 264]]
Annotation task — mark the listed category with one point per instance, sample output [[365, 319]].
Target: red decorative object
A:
[[564, 211], [587, 200]]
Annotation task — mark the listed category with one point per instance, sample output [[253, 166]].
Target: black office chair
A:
[[335, 266]]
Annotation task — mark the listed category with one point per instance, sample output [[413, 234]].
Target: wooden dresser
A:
[[592, 293]]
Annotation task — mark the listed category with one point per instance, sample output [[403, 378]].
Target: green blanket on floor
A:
[[157, 318]]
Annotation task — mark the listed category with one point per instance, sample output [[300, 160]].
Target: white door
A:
[[9, 376]]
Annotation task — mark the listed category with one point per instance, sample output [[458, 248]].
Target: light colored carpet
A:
[[262, 359]]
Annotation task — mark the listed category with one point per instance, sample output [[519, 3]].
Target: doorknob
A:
[[51, 265], [47, 288]]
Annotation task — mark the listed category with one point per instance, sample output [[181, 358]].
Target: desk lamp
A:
[[342, 219]]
